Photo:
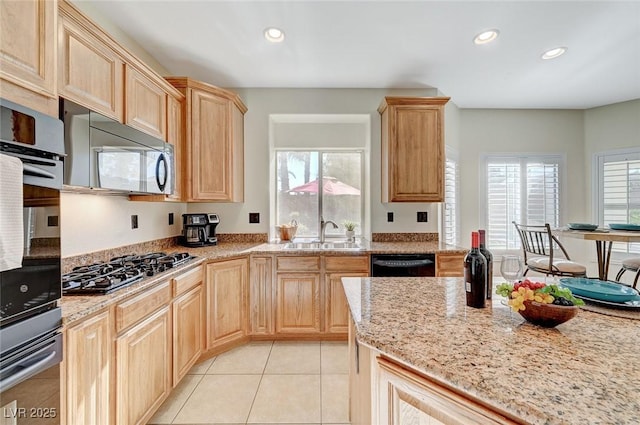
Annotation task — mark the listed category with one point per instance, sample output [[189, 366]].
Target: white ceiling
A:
[[400, 44]]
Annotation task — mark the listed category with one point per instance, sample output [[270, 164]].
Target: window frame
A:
[[558, 157], [362, 225], [597, 190], [451, 155]]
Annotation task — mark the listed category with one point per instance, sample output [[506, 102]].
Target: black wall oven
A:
[[32, 144]]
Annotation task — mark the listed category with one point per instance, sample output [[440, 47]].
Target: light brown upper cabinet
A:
[[214, 142], [28, 53], [99, 73], [145, 104], [90, 71], [412, 149]]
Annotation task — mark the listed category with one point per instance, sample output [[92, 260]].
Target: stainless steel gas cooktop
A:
[[119, 272]]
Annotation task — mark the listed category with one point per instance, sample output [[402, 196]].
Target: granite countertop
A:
[[368, 248], [75, 307], [414, 247], [585, 371]]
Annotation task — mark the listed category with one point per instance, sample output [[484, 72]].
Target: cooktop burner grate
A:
[[119, 272]]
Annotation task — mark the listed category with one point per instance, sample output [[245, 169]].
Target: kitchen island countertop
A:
[[585, 371]]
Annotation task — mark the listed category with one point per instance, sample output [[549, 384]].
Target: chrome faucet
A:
[[323, 226]]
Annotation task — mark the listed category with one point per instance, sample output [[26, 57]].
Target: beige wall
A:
[[493, 131], [577, 134], [262, 102], [95, 222], [608, 127]]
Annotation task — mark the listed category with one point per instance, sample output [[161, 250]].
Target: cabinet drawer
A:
[[303, 264], [347, 264], [134, 309], [186, 281]]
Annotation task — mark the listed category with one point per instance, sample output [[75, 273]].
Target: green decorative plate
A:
[[620, 226], [583, 226], [599, 289]]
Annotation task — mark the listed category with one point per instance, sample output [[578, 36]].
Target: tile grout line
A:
[[186, 399], [320, 382], [259, 383]]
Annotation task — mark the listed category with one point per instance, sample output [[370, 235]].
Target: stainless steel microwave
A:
[[105, 154]]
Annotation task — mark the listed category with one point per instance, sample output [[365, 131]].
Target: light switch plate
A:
[[254, 217], [422, 217], [134, 221]]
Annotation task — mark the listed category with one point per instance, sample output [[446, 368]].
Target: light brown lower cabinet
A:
[[143, 368], [87, 371], [188, 321], [298, 303], [226, 302], [261, 296], [336, 309], [121, 363], [301, 296], [359, 380], [187, 332], [449, 264]]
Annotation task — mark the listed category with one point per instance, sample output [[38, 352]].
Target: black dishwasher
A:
[[403, 265]]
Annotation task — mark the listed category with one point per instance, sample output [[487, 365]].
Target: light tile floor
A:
[[264, 383]]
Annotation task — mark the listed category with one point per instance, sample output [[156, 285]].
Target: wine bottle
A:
[[475, 274], [489, 257]]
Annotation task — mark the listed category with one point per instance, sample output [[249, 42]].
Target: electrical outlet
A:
[[422, 217], [390, 217], [52, 221], [134, 221], [170, 219], [254, 217]]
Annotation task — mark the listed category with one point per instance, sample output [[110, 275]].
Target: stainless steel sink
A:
[[334, 245]]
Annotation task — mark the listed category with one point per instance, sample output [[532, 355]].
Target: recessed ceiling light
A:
[[554, 53], [486, 37], [274, 35]]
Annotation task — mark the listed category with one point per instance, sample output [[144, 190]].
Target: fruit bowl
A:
[[548, 315]]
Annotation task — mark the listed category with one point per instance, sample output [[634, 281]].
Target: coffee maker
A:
[[199, 230]]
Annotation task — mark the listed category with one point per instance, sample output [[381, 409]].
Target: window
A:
[[450, 220], [525, 189], [618, 191], [315, 183]]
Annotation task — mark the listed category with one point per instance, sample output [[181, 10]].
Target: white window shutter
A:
[[451, 227], [620, 197], [523, 189]]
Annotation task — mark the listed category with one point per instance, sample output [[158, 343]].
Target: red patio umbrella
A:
[[330, 186]]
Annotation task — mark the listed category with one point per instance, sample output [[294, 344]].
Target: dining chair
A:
[[633, 265], [543, 252]]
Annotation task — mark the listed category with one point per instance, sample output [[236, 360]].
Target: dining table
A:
[[604, 239]]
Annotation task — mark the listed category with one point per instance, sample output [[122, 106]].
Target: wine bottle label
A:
[[467, 286]]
